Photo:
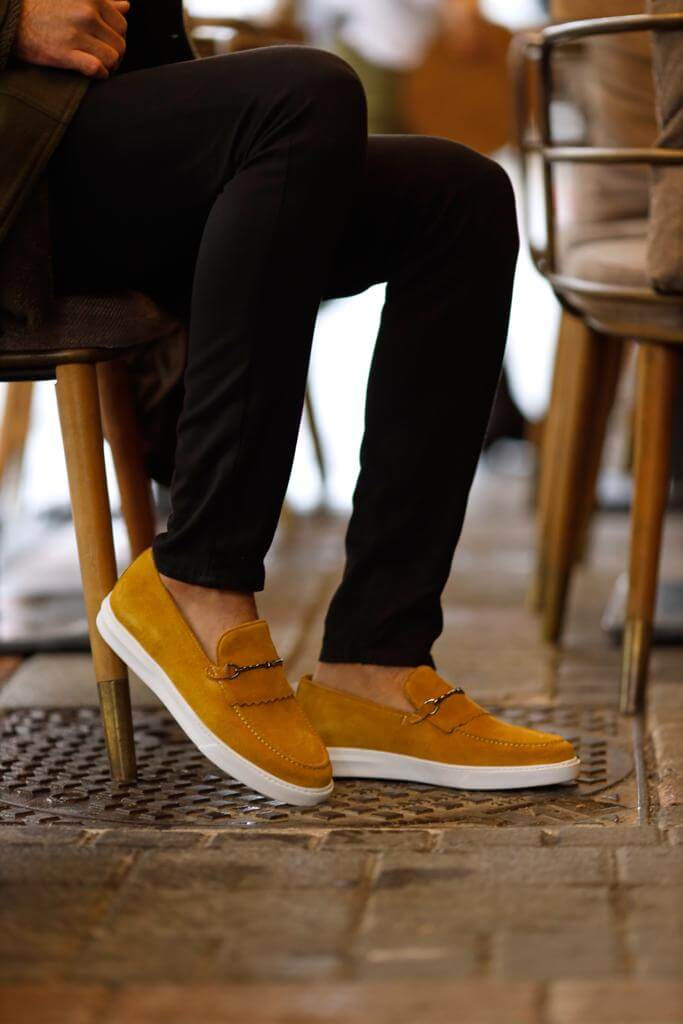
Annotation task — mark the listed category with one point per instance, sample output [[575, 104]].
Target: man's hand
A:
[[81, 35]]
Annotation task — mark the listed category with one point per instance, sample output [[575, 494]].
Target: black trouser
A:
[[243, 189]]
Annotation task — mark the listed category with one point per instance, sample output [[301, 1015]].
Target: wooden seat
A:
[[81, 346]]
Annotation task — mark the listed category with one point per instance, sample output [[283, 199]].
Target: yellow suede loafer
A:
[[447, 741], [240, 711]]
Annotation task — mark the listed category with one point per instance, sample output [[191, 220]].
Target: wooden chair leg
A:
[[79, 413], [550, 446], [16, 420], [579, 399], [121, 430], [658, 371], [609, 371]]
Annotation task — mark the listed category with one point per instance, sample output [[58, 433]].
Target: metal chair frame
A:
[[538, 50], [594, 358]]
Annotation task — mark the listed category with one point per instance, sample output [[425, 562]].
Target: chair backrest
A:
[[632, 96], [665, 240], [616, 96]]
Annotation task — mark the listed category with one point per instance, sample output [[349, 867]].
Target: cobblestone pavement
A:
[[390, 905]]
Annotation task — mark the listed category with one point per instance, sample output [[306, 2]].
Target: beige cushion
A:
[[665, 240], [616, 254], [615, 93]]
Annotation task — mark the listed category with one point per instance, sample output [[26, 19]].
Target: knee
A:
[[482, 188], [493, 201], [327, 87]]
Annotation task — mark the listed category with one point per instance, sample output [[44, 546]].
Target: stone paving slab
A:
[[528, 866], [391, 918], [65, 680], [245, 866], [543, 955], [66, 865], [317, 1003], [576, 1001], [618, 1001]]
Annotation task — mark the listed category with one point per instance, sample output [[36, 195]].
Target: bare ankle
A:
[[209, 612], [380, 683]]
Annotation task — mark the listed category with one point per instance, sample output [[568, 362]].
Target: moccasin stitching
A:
[[274, 750], [257, 703], [508, 743]]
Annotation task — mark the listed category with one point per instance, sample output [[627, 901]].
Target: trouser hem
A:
[[375, 656], [245, 579]]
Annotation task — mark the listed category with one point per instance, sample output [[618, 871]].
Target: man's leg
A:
[[437, 222], [241, 169], [233, 176]]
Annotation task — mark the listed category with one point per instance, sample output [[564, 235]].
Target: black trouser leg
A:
[[246, 174], [437, 222], [238, 172]]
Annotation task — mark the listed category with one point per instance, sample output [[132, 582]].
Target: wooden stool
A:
[[78, 347]]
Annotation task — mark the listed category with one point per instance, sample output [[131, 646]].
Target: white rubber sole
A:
[[224, 757], [356, 763]]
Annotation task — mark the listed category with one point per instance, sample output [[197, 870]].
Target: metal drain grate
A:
[[53, 768]]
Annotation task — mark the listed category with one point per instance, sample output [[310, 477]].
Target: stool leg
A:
[[16, 420], [121, 430], [79, 413], [579, 400], [658, 369]]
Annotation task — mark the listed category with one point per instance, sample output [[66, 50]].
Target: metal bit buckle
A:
[[437, 702], [232, 670]]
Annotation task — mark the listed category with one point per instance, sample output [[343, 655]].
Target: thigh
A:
[[139, 168]]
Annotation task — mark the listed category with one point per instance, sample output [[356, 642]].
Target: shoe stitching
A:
[[509, 743], [275, 750], [257, 703]]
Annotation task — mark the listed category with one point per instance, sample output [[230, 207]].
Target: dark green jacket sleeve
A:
[[36, 106], [9, 18]]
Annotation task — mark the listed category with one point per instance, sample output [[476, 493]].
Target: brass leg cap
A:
[[556, 590], [636, 657], [118, 728]]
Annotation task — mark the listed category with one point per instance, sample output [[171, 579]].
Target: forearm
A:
[[9, 19]]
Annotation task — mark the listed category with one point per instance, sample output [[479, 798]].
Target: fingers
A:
[[113, 15], [86, 63], [95, 36], [114, 40], [107, 55]]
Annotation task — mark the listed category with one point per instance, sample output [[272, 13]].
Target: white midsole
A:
[[358, 763], [228, 760]]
